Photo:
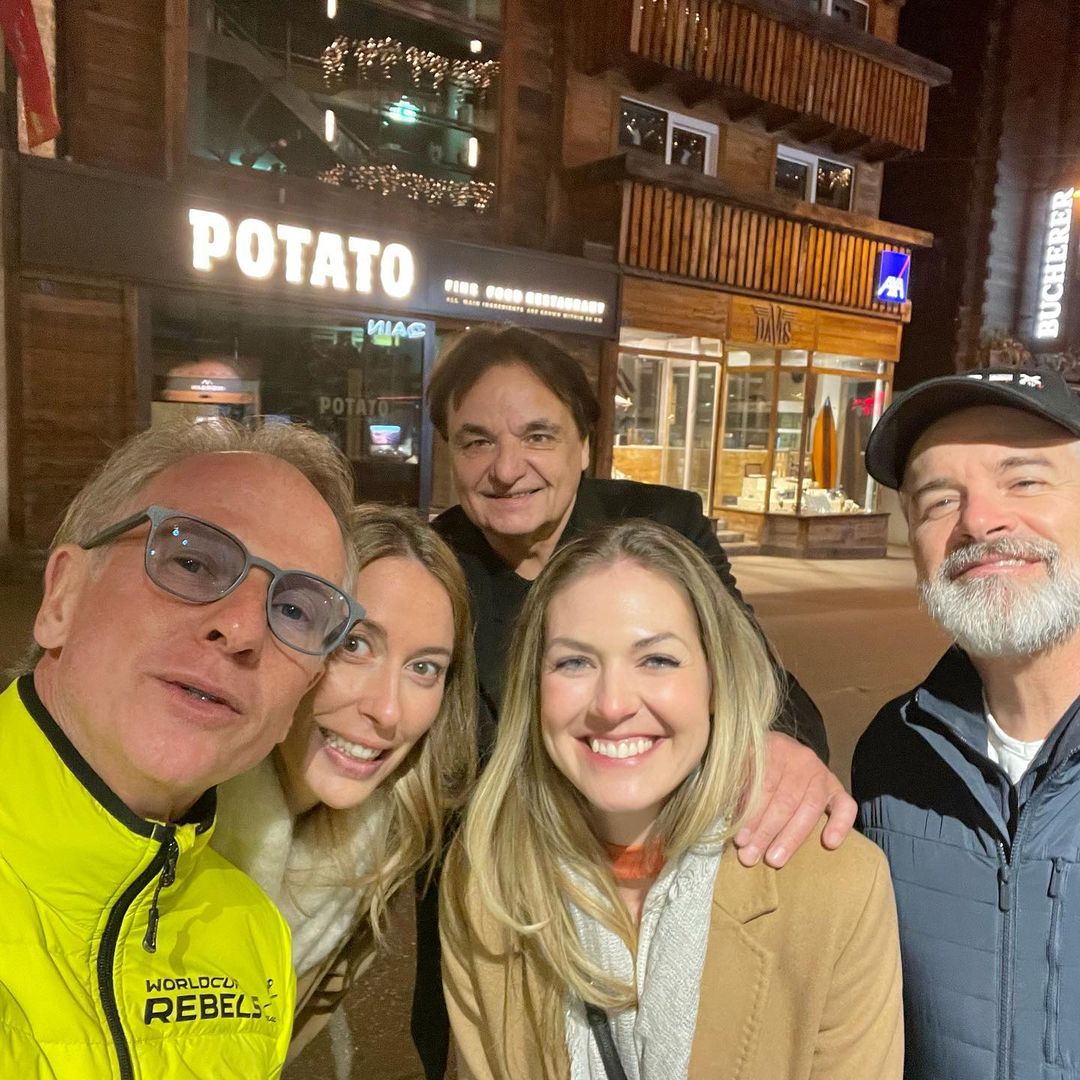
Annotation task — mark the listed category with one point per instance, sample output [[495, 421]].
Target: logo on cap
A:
[[1032, 382]]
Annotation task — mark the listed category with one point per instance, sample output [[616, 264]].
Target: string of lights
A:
[[390, 180], [378, 58]]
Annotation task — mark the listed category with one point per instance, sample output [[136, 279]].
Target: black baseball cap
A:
[[1044, 393]]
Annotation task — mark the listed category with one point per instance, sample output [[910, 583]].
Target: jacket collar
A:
[[949, 714], [586, 512], [952, 695], [745, 893], [62, 830]]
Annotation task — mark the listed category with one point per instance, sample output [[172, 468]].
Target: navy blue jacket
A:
[[986, 879]]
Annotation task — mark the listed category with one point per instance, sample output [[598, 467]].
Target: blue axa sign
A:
[[893, 277]]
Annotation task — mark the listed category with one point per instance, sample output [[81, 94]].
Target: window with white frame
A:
[[854, 12], [814, 179], [677, 139]]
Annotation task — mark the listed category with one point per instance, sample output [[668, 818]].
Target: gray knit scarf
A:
[[653, 1040]]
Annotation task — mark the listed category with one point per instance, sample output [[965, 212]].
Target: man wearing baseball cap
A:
[[971, 782]]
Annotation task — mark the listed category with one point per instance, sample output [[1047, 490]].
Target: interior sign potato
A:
[[301, 256]]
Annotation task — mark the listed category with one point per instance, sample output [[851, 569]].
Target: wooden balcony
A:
[[797, 70], [676, 223]]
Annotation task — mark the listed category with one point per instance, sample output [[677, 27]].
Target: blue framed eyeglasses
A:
[[201, 562]]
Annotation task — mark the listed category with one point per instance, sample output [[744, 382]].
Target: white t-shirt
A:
[[1011, 754]]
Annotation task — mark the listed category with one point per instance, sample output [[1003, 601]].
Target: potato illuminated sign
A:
[[301, 256]]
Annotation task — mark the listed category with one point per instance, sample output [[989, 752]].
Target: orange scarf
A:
[[633, 863]]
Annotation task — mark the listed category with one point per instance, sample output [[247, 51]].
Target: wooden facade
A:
[[123, 70], [1004, 139], [795, 69], [763, 303], [76, 393], [668, 221], [673, 232], [699, 254]]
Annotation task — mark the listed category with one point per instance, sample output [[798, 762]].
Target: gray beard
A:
[[994, 616]]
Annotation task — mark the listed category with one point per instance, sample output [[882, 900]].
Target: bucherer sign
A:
[[1055, 261]]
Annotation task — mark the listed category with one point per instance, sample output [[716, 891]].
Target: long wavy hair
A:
[[433, 781], [527, 851]]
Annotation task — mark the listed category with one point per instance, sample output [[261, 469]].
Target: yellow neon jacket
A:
[[128, 948]]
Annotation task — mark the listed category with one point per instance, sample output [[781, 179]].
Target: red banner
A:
[[24, 44]]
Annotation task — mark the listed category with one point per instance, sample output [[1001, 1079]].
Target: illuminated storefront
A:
[[762, 408], [255, 311]]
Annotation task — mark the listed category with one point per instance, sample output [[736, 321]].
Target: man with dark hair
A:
[[476, 352], [970, 782], [518, 413]]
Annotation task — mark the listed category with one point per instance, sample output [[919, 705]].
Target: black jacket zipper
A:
[[1005, 1001], [107, 952]]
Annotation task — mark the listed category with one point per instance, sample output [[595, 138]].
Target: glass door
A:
[[688, 434]]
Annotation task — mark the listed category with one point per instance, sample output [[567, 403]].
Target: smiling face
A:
[[624, 694], [381, 692], [163, 697], [517, 458], [992, 496]]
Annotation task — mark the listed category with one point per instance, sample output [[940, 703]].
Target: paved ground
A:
[[850, 630]]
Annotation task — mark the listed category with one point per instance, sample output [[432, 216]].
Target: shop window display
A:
[[360, 384], [790, 410], [743, 464], [846, 407], [819, 426], [777, 431], [665, 410], [397, 101]]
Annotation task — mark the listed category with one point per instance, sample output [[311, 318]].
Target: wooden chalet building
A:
[[284, 209], [728, 155]]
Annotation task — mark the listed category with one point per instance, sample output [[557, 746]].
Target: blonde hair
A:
[[434, 780], [527, 852]]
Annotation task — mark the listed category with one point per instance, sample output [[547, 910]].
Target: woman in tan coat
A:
[[595, 924]]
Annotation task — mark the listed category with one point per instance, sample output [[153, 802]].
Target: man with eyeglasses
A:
[[192, 593]]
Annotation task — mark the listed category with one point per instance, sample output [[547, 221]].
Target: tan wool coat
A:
[[801, 979]]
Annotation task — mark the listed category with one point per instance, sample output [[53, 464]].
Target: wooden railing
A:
[[854, 91], [674, 221], [706, 239]]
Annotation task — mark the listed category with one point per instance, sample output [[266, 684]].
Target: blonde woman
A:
[[595, 918], [352, 805]]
